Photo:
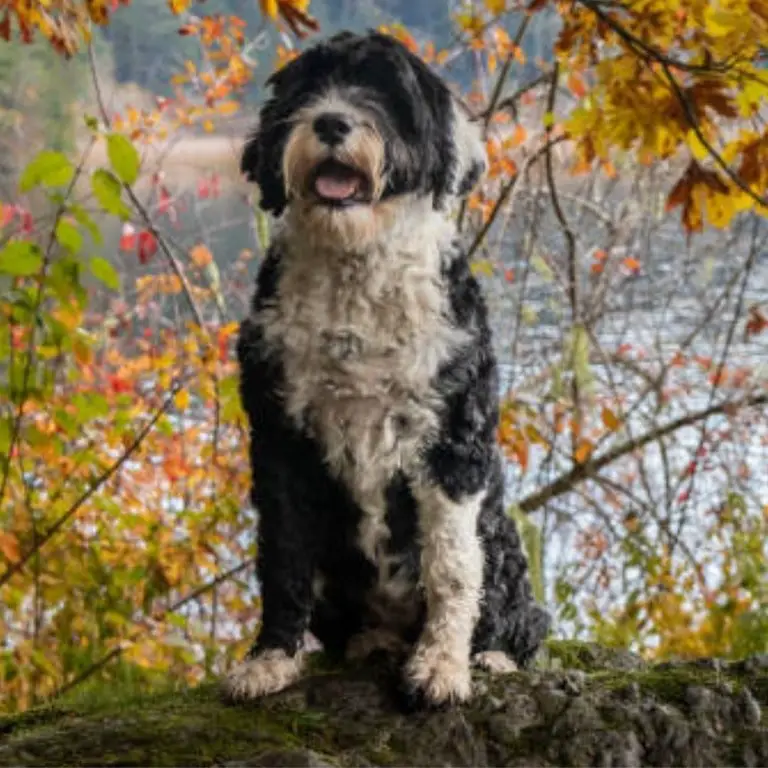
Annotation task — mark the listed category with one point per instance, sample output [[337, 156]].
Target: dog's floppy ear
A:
[[470, 158], [262, 153], [262, 166]]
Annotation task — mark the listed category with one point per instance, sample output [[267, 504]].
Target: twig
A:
[[506, 190], [120, 649], [495, 96], [648, 51], [690, 116], [172, 260], [589, 469]]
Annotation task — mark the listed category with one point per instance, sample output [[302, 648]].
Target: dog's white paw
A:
[[495, 662], [269, 672], [439, 676]]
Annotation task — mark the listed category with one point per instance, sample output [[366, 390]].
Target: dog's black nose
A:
[[331, 128]]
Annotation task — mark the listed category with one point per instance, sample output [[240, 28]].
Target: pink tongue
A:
[[334, 188]]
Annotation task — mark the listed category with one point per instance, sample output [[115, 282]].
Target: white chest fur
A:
[[361, 338]]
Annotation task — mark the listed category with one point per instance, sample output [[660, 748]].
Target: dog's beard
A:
[[351, 223]]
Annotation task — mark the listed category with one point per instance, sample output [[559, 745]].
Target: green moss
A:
[[588, 657], [347, 718]]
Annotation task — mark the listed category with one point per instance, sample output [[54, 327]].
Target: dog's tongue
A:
[[336, 186]]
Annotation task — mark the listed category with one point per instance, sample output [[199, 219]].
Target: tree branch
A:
[[589, 469]]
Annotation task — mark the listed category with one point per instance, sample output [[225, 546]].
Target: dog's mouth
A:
[[338, 184]]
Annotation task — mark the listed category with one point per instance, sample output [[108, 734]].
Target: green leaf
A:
[[68, 236], [123, 157], [91, 122], [86, 222], [580, 356], [541, 266], [20, 258], [108, 191], [531, 538], [90, 406], [102, 270], [49, 169]]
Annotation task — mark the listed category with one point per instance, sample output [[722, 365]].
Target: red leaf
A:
[[757, 322], [118, 384], [203, 188], [147, 246], [128, 238], [5, 27], [27, 223], [509, 275]]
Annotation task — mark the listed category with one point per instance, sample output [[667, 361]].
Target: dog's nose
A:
[[331, 128]]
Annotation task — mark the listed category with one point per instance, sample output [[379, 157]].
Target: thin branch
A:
[[648, 51], [172, 260], [120, 649], [568, 481], [506, 191], [690, 116]]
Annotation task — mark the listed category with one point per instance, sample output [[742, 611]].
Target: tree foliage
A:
[[125, 536]]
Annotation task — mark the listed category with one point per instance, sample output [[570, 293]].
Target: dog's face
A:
[[355, 127]]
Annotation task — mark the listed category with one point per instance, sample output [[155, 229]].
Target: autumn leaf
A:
[[9, 547], [610, 419], [147, 245], [201, 256], [583, 451]]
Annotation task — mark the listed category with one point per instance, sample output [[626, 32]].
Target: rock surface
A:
[[583, 706]]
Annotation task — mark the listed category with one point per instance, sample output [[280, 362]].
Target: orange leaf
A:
[[9, 546], [576, 84], [632, 264], [583, 451], [610, 419], [201, 256]]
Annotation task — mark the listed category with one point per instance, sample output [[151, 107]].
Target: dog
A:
[[371, 387]]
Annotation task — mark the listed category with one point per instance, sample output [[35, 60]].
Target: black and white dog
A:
[[370, 384]]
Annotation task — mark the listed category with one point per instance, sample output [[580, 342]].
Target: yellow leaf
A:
[[82, 350], [549, 120], [698, 150], [181, 400], [496, 7], [269, 8], [610, 419], [178, 6], [208, 126], [482, 267], [227, 107]]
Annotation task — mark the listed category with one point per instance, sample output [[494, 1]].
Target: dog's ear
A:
[[470, 158], [262, 167]]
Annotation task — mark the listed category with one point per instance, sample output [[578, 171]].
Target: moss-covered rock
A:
[[583, 706]]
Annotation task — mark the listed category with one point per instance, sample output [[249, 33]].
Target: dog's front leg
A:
[[286, 557], [452, 576]]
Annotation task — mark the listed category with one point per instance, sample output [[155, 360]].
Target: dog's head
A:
[[357, 123]]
